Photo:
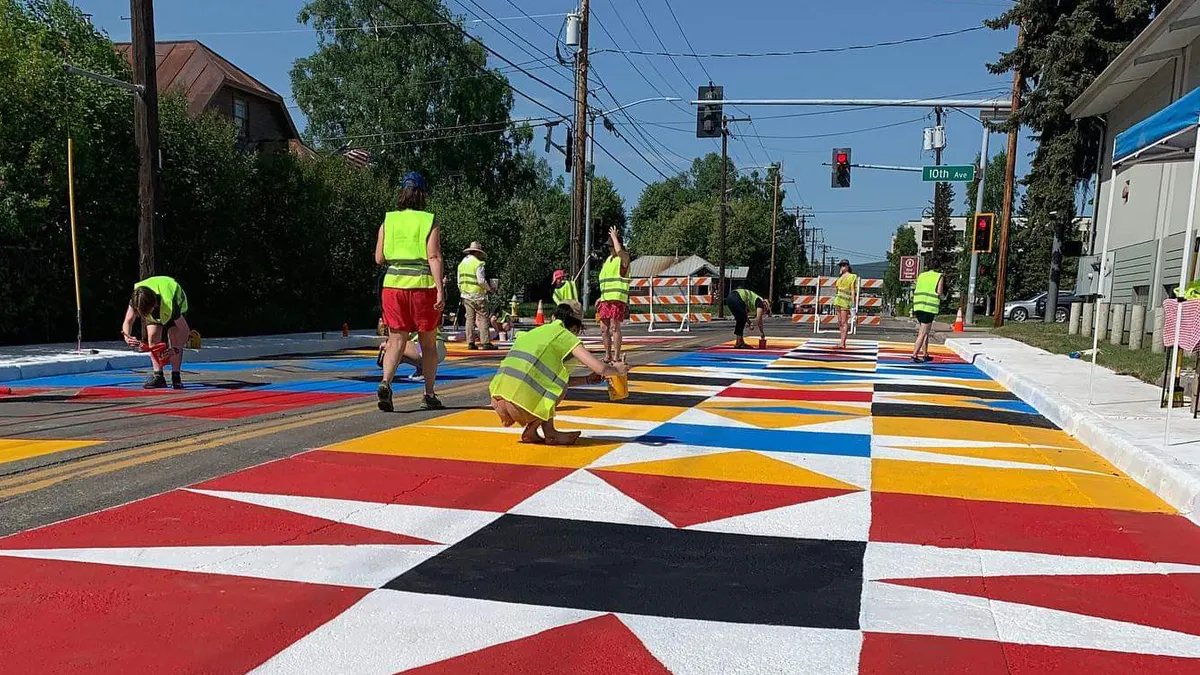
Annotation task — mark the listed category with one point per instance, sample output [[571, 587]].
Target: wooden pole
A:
[[721, 290], [145, 129], [774, 222], [581, 135], [1009, 177]]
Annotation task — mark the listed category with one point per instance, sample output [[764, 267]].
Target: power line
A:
[[281, 31], [687, 41], [654, 31], [536, 53], [846, 132], [797, 52], [449, 128]]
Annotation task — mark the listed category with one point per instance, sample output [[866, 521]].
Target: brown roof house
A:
[[210, 82]]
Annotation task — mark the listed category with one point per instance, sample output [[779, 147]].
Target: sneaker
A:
[[432, 402], [384, 392], [155, 381], [176, 381], [489, 347], [472, 346], [927, 359], [416, 377]]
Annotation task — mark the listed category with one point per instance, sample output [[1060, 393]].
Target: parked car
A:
[[1036, 307]]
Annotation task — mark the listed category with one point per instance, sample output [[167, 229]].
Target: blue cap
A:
[[415, 180]]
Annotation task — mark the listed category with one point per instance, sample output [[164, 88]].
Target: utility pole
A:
[[580, 247], [721, 290], [1055, 266], [145, 130], [970, 229], [1006, 215], [774, 225]]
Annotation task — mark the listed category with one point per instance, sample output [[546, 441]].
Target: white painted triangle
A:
[[905, 455], [632, 426], [702, 417], [884, 560], [584, 496], [360, 566], [890, 608], [634, 453], [844, 518], [614, 435], [853, 425], [692, 647], [443, 526], [390, 632], [853, 470]]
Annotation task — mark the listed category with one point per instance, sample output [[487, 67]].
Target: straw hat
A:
[[576, 308], [476, 249]]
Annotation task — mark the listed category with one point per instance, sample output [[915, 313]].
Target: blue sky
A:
[[262, 37]]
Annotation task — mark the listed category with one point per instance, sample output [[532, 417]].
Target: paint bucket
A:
[[618, 387], [762, 343]]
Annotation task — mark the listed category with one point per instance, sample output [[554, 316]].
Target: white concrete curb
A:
[[1153, 466], [232, 349]]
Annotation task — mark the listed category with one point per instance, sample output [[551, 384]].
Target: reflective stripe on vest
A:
[[845, 291], [749, 297], [468, 276], [613, 286], [405, 238], [170, 296], [568, 291], [533, 376], [925, 295]]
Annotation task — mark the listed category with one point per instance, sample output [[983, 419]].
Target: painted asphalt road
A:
[[798, 510]]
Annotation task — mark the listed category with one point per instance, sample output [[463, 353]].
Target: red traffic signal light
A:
[[981, 240], [841, 168]]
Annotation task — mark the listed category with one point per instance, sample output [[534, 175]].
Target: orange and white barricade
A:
[[817, 308], [670, 300]]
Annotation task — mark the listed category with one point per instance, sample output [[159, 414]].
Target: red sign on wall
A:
[[910, 267]]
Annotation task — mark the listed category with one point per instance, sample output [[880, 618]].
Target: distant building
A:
[[212, 83]]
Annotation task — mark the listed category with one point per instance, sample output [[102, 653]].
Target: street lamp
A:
[[587, 209]]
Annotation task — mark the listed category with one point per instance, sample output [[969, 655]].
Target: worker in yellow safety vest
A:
[[564, 289], [927, 297], [409, 244], [613, 306], [846, 298], [740, 301], [474, 286], [162, 305], [534, 377]]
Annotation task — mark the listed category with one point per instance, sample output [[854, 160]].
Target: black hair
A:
[[566, 315], [848, 267], [144, 301]]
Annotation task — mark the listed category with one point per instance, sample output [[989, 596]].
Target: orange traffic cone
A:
[[540, 317], [958, 321]]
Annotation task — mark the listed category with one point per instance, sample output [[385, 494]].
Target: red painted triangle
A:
[[894, 654], [599, 646], [183, 518], [68, 617], [691, 501], [1168, 601]]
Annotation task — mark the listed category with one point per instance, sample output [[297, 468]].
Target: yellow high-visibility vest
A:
[[845, 285], [170, 295], [405, 241], [534, 375], [749, 297], [468, 276], [925, 295], [613, 286], [568, 291]]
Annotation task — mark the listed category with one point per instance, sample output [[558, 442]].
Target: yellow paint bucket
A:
[[618, 387]]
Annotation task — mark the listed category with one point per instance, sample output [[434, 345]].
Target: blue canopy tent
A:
[[1168, 135]]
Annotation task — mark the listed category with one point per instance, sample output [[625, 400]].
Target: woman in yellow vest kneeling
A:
[[534, 377]]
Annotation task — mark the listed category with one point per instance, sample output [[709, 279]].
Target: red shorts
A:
[[406, 310], [614, 310]]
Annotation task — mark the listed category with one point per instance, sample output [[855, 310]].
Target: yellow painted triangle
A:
[[1067, 458], [741, 466], [777, 420], [969, 430], [12, 449]]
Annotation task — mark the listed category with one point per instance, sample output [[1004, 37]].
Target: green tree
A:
[[993, 202], [376, 83], [1065, 46], [903, 243], [943, 256]]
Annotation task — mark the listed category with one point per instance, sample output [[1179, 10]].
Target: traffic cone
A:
[[540, 317], [958, 321]]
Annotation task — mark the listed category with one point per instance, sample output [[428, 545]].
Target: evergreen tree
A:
[[944, 255]]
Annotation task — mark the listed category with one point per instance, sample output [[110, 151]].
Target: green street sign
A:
[[964, 173]]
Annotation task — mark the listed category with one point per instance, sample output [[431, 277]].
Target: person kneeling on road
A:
[[534, 377], [161, 304]]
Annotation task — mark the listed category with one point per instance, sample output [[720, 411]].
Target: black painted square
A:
[[648, 570]]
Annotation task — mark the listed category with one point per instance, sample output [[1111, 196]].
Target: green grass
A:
[[1142, 364]]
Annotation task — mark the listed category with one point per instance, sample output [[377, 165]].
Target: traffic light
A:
[[841, 167], [708, 115], [981, 239]]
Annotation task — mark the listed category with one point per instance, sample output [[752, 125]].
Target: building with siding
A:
[[1150, 211], [210, 82]]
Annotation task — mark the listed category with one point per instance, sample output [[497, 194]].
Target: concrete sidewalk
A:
[[1123, 422], [24, 362]]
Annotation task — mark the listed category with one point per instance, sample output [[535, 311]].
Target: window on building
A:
[[239, 117]]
